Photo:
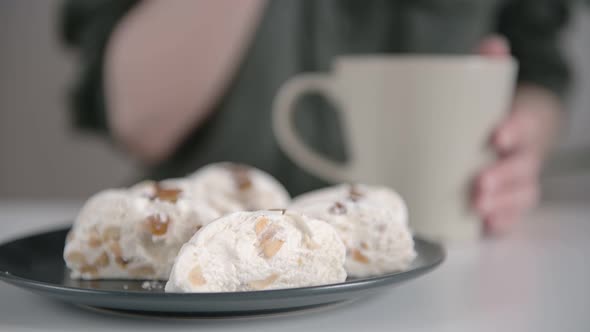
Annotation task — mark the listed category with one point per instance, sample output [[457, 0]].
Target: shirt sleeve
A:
[[86, 26], [533, 28]]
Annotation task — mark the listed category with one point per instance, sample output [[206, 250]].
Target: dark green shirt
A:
[[295, 36]]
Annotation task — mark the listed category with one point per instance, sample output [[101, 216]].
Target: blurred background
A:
[[42, 156]]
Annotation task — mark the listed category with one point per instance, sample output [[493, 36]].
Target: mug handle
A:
[[286, 133]]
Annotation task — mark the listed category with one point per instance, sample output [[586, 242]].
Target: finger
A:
[[515, 132], [494, 46], [517, 199], [512, 170]]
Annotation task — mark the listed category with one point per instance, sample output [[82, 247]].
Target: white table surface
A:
[[536, 278]]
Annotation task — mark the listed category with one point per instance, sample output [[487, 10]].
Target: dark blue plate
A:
[[35, 263]]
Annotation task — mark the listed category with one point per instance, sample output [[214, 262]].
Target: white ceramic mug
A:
[[419, 124]]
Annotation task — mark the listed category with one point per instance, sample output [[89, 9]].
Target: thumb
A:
[[494, 46]]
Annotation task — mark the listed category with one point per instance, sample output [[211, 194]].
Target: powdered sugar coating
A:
[[133, 234], [231, 187], [247, 251], [377, 195], [372, 223]]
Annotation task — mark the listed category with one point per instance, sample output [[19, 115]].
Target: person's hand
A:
[[505, 190]]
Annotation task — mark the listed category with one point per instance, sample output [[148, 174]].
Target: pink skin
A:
[[505, 190]]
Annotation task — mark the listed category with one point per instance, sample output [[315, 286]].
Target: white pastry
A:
[[376, 240], [134, 234], [169, 189], [247, 251], [231, 187], [376, 195]]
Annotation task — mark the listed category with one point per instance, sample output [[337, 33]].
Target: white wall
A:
[[40, 155]]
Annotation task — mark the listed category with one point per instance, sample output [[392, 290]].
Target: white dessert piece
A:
[[136, 233], [377, 195], [376, 236], [231, 187], [251, 251]]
